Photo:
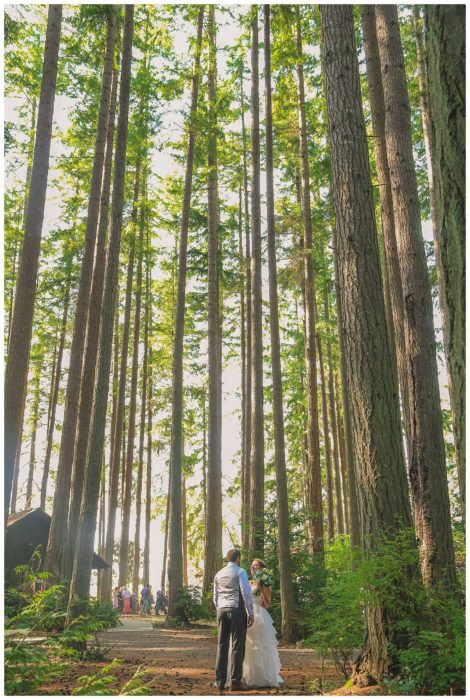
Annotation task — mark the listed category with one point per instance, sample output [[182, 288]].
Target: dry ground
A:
[[181, 662]]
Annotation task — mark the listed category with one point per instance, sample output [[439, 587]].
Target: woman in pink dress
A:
[[126, 597]]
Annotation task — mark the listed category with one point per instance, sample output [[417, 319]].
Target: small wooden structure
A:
[[26, 531]]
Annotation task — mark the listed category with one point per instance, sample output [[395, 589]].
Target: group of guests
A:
[[127, 603]]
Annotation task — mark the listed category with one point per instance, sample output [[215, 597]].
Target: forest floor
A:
[[181, 662]]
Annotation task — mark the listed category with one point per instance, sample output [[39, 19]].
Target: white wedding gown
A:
[[262, 664]]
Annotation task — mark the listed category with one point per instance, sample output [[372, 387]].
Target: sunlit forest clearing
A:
[[234, 316]]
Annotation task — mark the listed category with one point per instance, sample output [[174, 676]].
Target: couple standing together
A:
[[247, 654]]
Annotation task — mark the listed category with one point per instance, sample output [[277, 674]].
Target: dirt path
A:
[[181, 662]]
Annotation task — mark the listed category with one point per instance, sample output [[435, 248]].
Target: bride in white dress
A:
[[261, 665]]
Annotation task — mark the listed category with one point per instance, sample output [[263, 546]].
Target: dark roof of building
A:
[[16, 517], [36, 514]]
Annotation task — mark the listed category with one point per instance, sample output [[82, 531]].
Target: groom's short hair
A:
[[233, 555]]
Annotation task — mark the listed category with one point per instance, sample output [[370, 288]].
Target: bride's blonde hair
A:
[[260, 562]]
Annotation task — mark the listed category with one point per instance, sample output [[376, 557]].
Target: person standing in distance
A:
[[233, 600]]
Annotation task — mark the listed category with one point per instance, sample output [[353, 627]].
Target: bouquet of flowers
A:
[[263, 579]]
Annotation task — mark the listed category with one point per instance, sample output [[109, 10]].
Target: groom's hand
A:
[[251, 619]]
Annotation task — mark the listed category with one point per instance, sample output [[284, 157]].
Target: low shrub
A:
[[190, 607]]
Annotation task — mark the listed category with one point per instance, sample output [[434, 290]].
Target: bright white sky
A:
[[164, 164]]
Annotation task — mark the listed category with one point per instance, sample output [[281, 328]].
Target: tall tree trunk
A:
[[392, 262], [115, 383], [204, 452], [57, 559], [313, 478], [285, 567], [127, 501], [87, 384], [53, 373], [34, 417], [244, 456], [327, 446], [213, 526], [16, 372], [119, 429], [379, 458], [175, 564], [80, 583], [256, 519], [165, 540], [248, 373], [55, 395], [184, 533], [143, 405], [18, 243], [354, 524], [445, 43], [334, 426], [148, 480], [101, 528], [343, 460], [427, 467]]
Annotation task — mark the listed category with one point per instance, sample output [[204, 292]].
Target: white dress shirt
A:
[[228, 583]]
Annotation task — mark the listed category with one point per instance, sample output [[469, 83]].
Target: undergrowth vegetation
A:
[[429, 629], [39, 640]]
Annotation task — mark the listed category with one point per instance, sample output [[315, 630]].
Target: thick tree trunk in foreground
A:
[[313, 478], [445, 43], [256, 513], [80, 583], [285, 568], [175, 563], [380, 465], [213, 523], [392, 262], [427, 466], [16, 371]]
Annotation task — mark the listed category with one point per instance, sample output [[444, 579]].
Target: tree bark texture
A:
[[379, 458], [57, 560], [17, 363], [285, 567], [87, 383], [256, 519], [427, 467], [80, 583], [175, 563], [313, 477], [391, 259], [213, 526], [445, 44]]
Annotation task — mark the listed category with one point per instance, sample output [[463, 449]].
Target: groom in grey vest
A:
[[233, 601]]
